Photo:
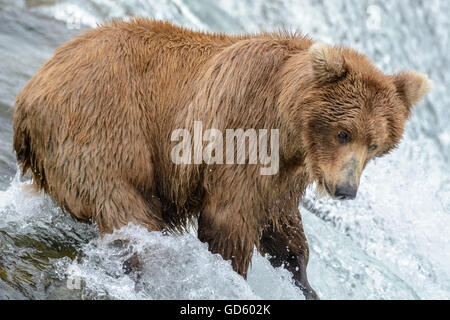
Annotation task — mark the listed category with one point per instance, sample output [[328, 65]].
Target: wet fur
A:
[[93, 126]]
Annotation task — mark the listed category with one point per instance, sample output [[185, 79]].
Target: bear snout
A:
[[345, 192]]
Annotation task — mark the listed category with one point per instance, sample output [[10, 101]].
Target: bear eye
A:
[[373, 147], [343, 137]]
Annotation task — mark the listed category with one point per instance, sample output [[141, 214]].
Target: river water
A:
[[392, 242]]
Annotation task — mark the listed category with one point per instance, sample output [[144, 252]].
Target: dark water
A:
[[392, 242]]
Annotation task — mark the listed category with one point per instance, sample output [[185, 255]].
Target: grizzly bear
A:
[[94, 127]]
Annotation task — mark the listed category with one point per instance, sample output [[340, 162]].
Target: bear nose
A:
[[345, 192]]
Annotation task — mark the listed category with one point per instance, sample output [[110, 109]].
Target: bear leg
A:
[[229, 234], [123, 204], [287, 246]]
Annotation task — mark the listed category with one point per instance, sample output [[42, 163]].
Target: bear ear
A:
[[327, 62], [412, 87]]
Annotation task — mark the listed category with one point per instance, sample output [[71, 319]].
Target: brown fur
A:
[[94, 125]]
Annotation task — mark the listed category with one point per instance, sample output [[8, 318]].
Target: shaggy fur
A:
[[94, 126]]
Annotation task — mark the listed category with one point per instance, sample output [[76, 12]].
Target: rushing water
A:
[[391, 242]]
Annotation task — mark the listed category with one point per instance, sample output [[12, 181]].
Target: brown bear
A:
[[94, 127]]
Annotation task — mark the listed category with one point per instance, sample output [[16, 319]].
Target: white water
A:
[[392, 242]]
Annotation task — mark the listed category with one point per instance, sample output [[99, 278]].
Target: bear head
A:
[[343, 112]]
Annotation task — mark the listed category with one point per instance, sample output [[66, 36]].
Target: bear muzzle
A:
[[343, 184], [348, 182], [345, 192]]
